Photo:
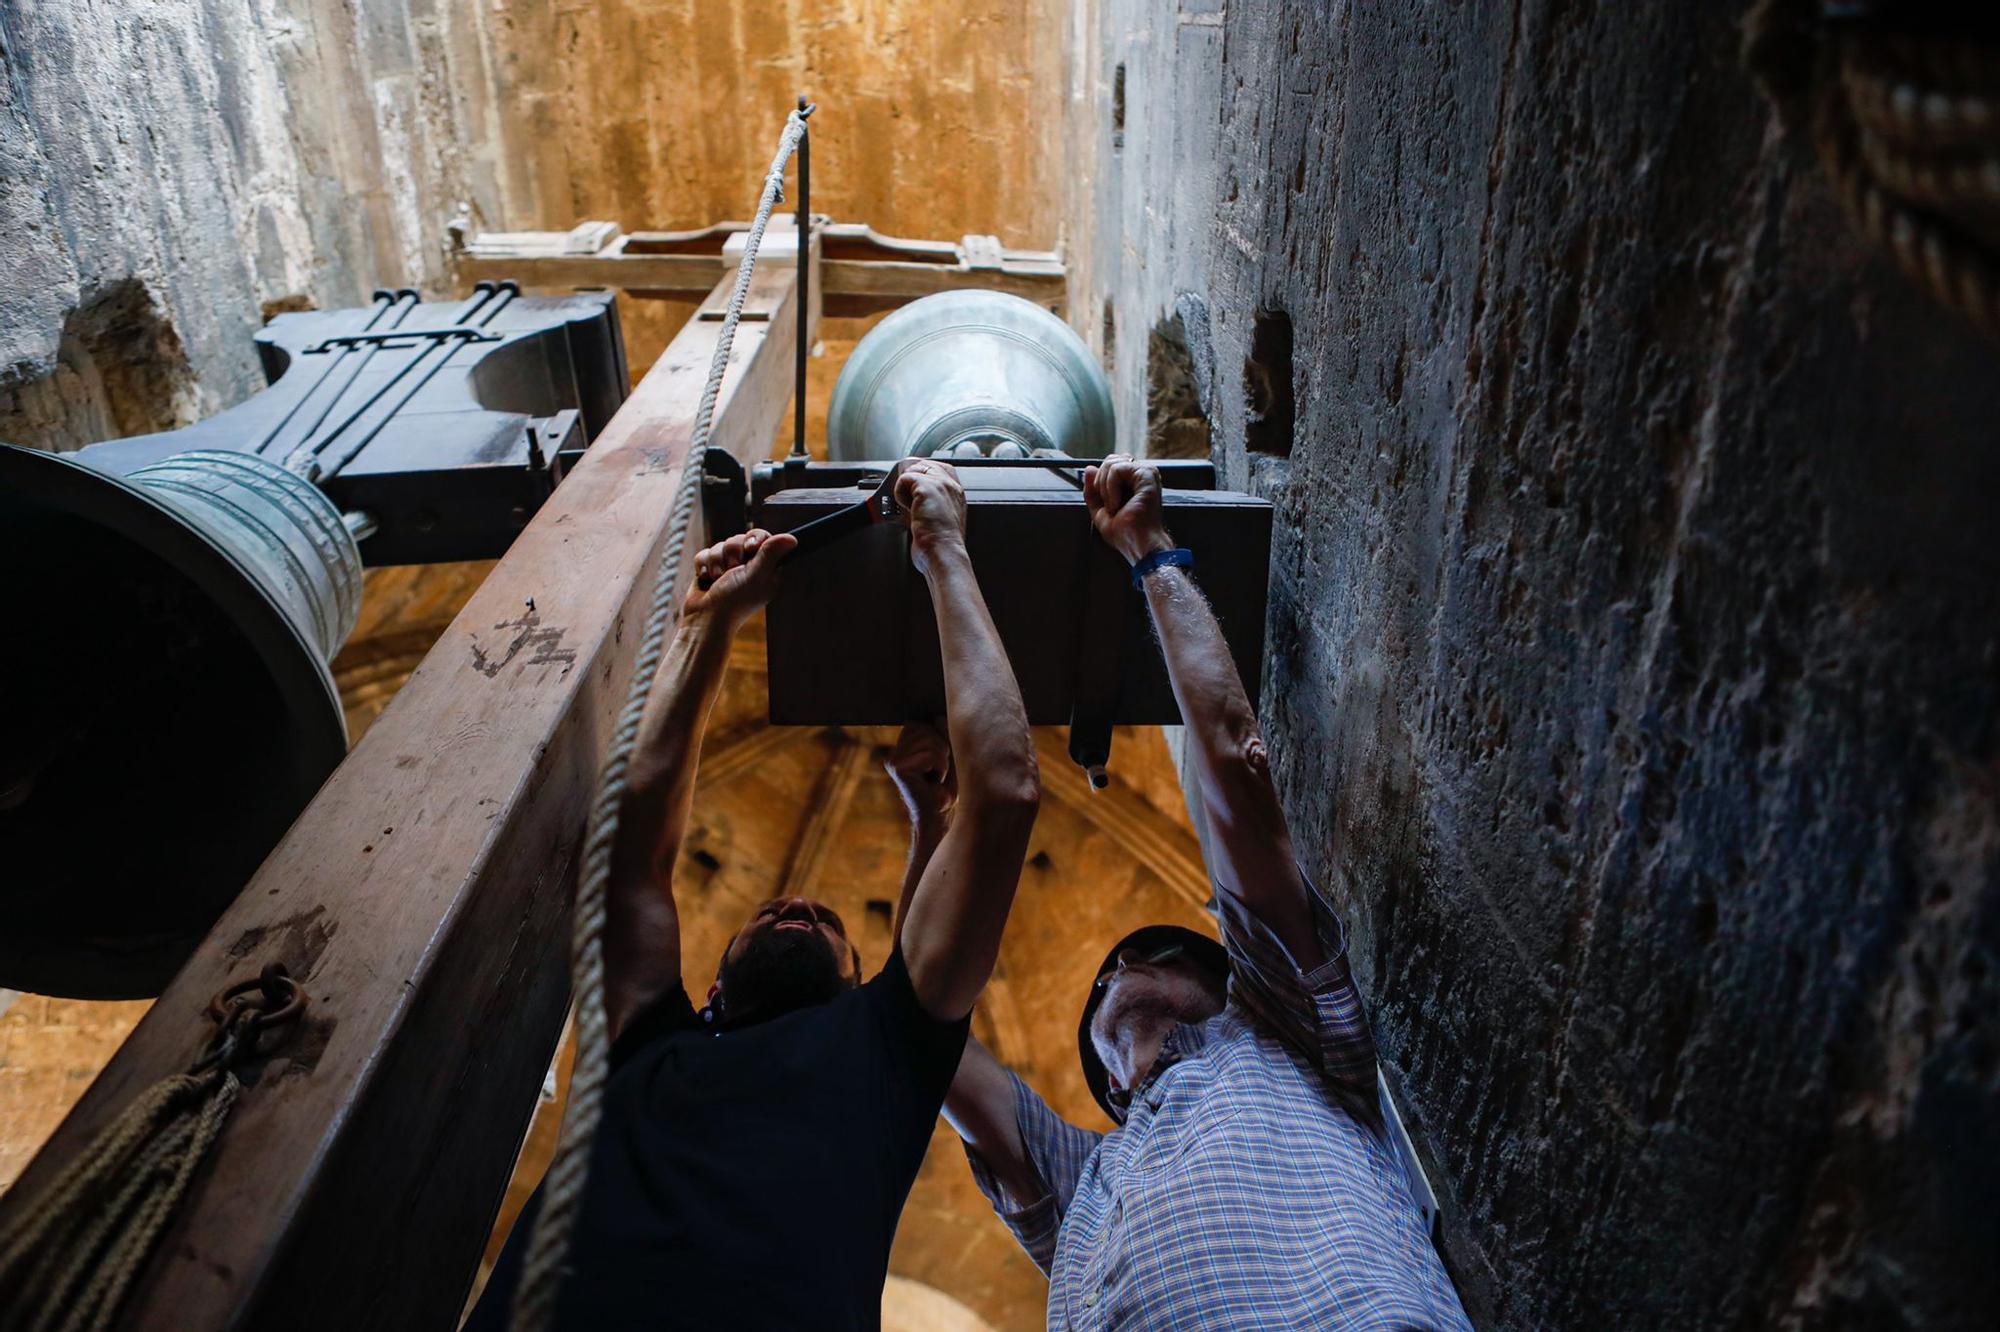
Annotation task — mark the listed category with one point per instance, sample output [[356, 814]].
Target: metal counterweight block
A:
[[853, 640]]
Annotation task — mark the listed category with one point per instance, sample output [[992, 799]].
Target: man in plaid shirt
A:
[[1251, 1183]]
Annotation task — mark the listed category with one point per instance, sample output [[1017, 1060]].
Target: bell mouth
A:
[[987, 428], [168, 721], [958, 367]]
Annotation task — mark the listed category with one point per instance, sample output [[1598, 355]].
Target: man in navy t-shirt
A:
[[754, 1156]]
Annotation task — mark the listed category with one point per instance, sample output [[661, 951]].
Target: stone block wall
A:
[[1633, 632]]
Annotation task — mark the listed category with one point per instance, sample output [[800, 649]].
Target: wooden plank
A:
[[422, 898], [1040, 282], [1123, 815], [747, 657], [850, 280], [667, 274], [823, 819]]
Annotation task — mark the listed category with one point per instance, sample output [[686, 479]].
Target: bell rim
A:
[[288, 658], [979, 311]]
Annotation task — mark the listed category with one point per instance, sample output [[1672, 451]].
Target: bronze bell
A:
[[169, 703], [970, 374]]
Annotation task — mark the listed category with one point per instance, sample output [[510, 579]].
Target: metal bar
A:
[[451, 338], [482, 290], [422, 901], [383, 300], [389, 339], [804, 349]]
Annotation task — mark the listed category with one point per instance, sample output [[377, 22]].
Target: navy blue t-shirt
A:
[[751, 1178]]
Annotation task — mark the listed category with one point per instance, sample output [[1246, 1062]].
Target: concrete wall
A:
[[1633, 630]]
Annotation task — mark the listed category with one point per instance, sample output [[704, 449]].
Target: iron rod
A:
[[803, 350]]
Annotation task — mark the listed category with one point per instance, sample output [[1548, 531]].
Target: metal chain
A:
[[548, 1248]]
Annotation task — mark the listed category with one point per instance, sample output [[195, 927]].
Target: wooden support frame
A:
[[859, 271], [423, 899]]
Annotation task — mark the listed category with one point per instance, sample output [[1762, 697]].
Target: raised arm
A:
[[642, 936], [920, 766], [950, 933], [1248, 844], [980, 1105]]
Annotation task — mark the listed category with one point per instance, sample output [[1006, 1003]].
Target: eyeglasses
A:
[[1158, 957]]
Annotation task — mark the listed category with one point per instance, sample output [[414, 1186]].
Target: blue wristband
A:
[[1178, 555]]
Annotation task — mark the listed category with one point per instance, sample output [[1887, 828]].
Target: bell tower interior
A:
[[1612, 391]]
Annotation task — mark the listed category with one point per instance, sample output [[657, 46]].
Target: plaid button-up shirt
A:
[[1251, 1186]]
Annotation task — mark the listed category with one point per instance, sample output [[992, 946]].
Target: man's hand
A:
[[744, 570], [920, 765], [932, 505], [1123, 498]]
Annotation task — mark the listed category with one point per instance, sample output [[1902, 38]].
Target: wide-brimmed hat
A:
[[1205, 951]]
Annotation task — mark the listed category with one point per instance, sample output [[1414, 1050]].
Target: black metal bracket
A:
[[1105, 624], [796, 473], [725, 496]]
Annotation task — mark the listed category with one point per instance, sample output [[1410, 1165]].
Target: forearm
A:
[[951, 934], [984, 714], [660, 783], [980, 1106], [642, 935], [1214, 707], [1247, 837], [926, 831]]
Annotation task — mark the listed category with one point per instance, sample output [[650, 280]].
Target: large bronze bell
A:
[[969, 374], [169, 705]]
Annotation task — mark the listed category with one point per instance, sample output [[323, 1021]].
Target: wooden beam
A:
[[849, 282], [860, 271], [1042, 283], [422, 899], [684, 276], [538, 1148], [1163, 846], [823, 820]]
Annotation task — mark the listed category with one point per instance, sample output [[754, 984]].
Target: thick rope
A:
[[1907, 127], [68, 1261], [562, 1192]]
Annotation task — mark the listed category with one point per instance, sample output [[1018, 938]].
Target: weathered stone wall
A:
[[176, 171], [1632, 669]]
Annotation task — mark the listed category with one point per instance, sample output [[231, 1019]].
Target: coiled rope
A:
[[543, 1269], [68, 1261], [1904, 111]]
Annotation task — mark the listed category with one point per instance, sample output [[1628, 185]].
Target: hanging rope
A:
[[68, 1261], [1905, 118], [562, 1193]]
